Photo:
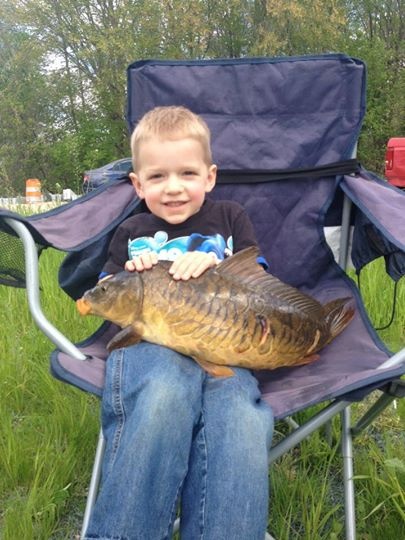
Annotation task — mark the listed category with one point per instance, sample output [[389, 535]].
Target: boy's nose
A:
[[173, 183]]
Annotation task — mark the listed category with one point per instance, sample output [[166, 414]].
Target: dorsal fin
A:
[[244, 268], [242, 264]]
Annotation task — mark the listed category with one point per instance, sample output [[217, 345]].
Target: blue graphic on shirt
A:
[[169, 250]]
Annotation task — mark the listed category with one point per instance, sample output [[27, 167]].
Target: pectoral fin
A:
[[214, 369], [307, 360], [128, 336]]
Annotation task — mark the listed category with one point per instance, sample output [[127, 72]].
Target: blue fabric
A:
[[173, 432], [264, 113], [379, 223]]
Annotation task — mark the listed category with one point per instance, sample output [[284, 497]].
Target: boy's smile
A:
[[173, 177]]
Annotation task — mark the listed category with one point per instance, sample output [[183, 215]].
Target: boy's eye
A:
[[189, 173], [155, 176]]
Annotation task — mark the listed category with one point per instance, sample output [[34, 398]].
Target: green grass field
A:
[[48, 433]]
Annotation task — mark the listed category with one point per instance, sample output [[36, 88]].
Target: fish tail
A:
[[338, 314]]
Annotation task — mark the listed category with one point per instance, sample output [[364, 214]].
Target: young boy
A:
[[173, 432]]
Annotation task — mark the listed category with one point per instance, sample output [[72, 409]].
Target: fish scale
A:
[[235, 314]]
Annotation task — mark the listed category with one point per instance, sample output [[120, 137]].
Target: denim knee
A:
[[164, 401], [237, 404], [153, 382]]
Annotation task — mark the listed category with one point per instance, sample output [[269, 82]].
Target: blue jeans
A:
[[175, 434]]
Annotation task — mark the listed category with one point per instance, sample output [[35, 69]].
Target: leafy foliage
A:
[[63, 67]]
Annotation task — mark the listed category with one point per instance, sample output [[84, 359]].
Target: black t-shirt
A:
[[220, 227]]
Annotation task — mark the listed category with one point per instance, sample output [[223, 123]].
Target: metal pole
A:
[[32, 283], [347, 453], [94, 483], [306, 429]]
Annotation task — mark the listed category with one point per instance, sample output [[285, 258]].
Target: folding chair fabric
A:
[[265, 115], [349, 363]]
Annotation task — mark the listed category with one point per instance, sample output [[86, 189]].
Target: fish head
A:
[[118, 299]]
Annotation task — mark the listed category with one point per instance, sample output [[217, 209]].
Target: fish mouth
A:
[[83, 306]]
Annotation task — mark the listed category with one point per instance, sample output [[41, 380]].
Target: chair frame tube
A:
[[345, 416], [33, 295], [94, 483]]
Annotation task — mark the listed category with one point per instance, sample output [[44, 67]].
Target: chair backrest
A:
[[264, 114], [268, 115]]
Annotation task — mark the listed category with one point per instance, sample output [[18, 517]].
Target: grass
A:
[[48, 434], [48, 430]]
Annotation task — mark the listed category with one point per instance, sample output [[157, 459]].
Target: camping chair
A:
[[284, 134]]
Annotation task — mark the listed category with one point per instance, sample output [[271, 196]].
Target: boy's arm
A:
[[243, 233], [117, 253], [244, 236]]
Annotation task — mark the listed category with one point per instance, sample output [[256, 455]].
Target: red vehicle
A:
[[395, 162]]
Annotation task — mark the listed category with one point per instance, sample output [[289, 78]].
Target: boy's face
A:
[[173, 178]]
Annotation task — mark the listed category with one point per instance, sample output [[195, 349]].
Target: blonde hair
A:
[[171, 123]]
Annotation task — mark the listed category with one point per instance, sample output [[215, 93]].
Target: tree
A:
[[24, 109], [291, 27], [376, 34], [63, 71], [96, 39]]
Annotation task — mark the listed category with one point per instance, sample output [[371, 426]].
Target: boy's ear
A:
[[211, 178], [137, 185]]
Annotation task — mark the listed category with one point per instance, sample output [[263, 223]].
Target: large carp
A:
[[235, 314]]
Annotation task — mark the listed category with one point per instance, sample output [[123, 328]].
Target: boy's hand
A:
[[192, 264], [142, 262]]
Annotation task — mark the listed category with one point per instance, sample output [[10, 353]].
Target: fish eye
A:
[[103, 288]]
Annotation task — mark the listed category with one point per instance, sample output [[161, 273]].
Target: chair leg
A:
[[347, 453], [374, 411], [94, 483]]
